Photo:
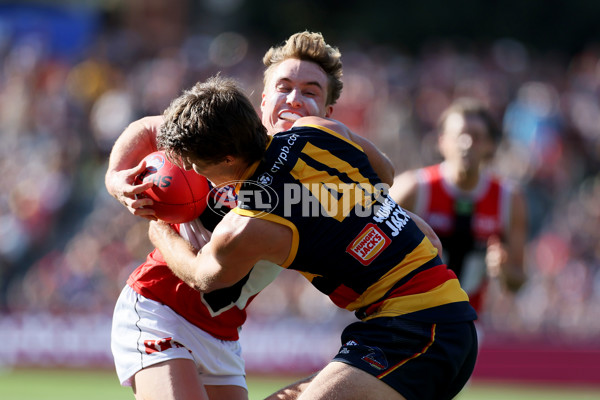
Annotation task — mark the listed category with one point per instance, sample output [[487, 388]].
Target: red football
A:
[[179, 195]]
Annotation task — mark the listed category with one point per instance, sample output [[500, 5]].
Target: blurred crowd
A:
[[66, 246]]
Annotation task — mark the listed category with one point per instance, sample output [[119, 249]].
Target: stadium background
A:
[[73, 74]]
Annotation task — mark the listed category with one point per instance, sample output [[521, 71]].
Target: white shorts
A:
[[146, 332]]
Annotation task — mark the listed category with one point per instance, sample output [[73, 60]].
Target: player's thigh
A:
[[292, 391], [226, 392], [342, 381], [173, 379]]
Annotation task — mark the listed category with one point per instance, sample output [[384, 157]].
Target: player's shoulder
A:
[[149, 123], [326, 124]]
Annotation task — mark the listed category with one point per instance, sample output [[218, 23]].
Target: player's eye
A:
[[284, 88]]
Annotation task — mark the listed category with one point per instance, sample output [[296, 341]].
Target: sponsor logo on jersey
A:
[[369, 243], [284, 153], [265, 179], [392, 215], [376, 358]]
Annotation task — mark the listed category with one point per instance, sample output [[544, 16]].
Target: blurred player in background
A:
[[168, 340], [480, 219], [414, 336]]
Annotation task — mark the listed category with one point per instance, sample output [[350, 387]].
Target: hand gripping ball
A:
[[179, 195]]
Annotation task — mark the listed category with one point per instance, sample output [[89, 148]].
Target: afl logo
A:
[[251, 195]]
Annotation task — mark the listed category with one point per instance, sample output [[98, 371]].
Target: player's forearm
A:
[[135, 142], [179, 254], [197, 269], [384, 168], [381, 163], [513, 277], [514, 269]]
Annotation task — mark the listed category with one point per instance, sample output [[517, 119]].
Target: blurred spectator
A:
[[66, 246]]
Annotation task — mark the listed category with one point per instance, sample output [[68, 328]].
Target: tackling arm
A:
[[381, 164], [404, 190], [125, 163], [237, 243]]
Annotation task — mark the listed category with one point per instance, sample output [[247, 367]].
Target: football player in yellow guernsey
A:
[[309, 200]]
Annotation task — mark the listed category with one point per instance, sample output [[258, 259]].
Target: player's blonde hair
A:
[[309, 46]]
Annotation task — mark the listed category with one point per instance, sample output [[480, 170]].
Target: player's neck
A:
[[464, 178]]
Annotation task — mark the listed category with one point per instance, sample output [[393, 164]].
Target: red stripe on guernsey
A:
[[422, 282], [401, 363], [425, 281], [343, 295]]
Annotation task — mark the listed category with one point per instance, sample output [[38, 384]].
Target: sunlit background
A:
[[73, 74]]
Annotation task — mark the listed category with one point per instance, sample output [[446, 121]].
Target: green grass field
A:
[[43, 384]]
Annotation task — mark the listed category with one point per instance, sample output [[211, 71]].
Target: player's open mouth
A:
[[289, 115]]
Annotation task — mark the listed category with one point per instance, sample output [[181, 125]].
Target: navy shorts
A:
[[420, 360]]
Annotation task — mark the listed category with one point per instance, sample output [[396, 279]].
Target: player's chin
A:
[[283, 125]]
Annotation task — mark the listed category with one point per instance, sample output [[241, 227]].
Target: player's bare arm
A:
[[505, 257], [125, 163], [380, 162], [229, 256], [404, 190]]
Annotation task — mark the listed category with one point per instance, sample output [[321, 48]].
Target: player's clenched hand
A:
[[122, 185]]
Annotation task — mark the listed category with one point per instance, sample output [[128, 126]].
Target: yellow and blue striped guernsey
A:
[[350, 239]]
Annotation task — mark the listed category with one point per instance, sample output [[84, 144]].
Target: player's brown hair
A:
[[309, 46], [210, 121]]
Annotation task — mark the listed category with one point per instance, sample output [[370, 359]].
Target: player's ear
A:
[[263, 101], [328, 111]]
